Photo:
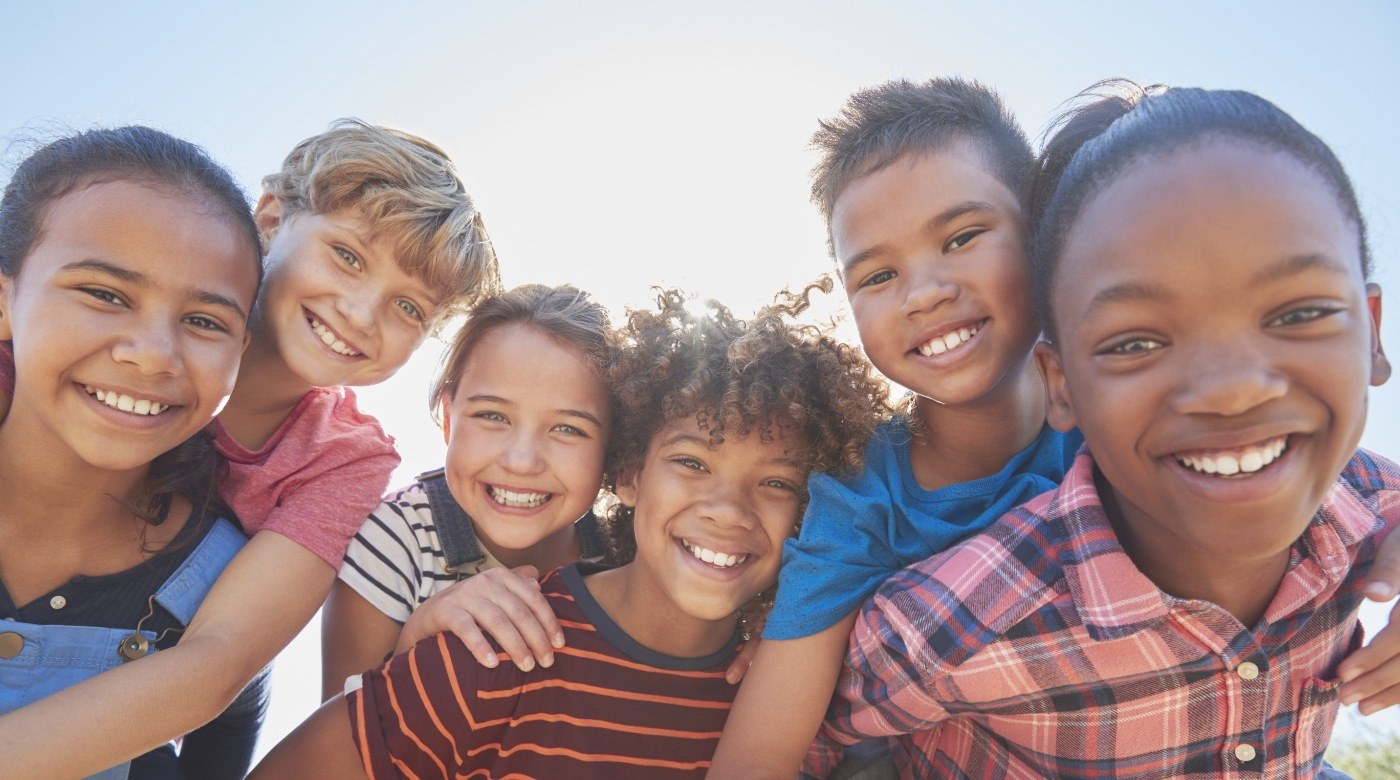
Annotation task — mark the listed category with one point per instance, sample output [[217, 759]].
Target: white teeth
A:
[[126, 403], [519, 500], [719, 559], [328, 338], [952, 340], [1243, 461]]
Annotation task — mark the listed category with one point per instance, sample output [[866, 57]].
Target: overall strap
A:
[[454, 527], [185, 590], [592, 543]]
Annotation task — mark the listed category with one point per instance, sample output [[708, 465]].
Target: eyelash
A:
[[1121, 348], [349, 258], [1315, 313], [879, 277], [965, 236], [104, 295], [408, 307], [571, 430], [209, 324], [491, 417]]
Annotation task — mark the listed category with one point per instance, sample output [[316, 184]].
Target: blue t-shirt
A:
[[859, 530]]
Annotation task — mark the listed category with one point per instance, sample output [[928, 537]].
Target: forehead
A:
[[1213, 215], [910, 190], [775, 445], [522, 360], [172, 236]]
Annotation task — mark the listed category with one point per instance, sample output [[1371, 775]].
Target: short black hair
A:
[[1116, 121]]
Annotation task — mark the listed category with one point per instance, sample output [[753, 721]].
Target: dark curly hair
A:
[[768, 375]]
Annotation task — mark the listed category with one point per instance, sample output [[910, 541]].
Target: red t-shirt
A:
[[318, 477]]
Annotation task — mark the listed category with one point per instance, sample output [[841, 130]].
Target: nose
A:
[[1228, 379], [926, 287], [151, 347], [358, 307], [521, 454], [729, 506]]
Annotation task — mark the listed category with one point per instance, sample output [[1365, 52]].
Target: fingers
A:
[[742, 662], [1383, 580], [1371, 675]]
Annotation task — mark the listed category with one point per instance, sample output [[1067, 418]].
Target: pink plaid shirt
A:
[[1037, 649]]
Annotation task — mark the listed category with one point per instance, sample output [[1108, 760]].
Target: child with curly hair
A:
[[720, 421]]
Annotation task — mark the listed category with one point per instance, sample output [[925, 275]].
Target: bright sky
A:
[[626, 144]]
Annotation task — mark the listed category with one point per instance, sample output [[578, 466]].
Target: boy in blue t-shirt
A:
[[921, 185]]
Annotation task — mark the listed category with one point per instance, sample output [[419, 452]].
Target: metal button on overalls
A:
[[11, 644]]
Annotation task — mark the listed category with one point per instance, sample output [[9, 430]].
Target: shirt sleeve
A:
[[326, 473], [394, 716], [839, 558], [382, 564]]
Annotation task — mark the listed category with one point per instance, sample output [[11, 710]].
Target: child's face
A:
[[710, 521], [128, 320], [336, 305], [1217, 341], [931, 252], [526, 433]]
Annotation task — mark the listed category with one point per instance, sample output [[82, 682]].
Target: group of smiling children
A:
[[1119, 527]]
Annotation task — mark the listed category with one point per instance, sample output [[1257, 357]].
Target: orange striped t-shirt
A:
[[607, 708]]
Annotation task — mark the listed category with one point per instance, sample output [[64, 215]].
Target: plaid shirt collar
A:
[[1114, 599]]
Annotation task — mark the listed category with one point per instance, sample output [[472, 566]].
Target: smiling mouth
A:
[[1235, 462], [126, 403], [328, 337], [951, 340], [717, 559], [517, 500]]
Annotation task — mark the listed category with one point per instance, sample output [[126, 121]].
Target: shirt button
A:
[[1247, 671], [10, 644], [58, 602], [1244, 752]]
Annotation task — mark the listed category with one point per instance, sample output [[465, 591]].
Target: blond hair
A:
[[406, 189]]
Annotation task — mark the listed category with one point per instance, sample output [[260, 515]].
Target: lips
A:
[[1238, 461], [719, 560], [127, 403], [517, 499], [950, 339], [330, 338]]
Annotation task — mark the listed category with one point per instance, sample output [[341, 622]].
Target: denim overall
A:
[[52, 658], [459, 545]]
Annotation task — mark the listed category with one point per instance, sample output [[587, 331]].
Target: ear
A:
[[1380, 366], [267, 215], [445, 414], [627, 488], [7, 286], [1059, 410]]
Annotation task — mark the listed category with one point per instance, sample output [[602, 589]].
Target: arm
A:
[[781, 704], [1371, 675], [355, 636], [320, 747], [505, 603], [266, 595]]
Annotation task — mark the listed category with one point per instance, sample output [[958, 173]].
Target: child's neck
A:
[[264, 394], [545, 555], [644, 611], [963, 442], [62, 517], [1242, 587]]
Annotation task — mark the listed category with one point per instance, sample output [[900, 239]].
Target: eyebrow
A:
[[932, 223], [133, 277], [1295, 265]]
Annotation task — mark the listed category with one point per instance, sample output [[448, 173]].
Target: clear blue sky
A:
[[619, 145]]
